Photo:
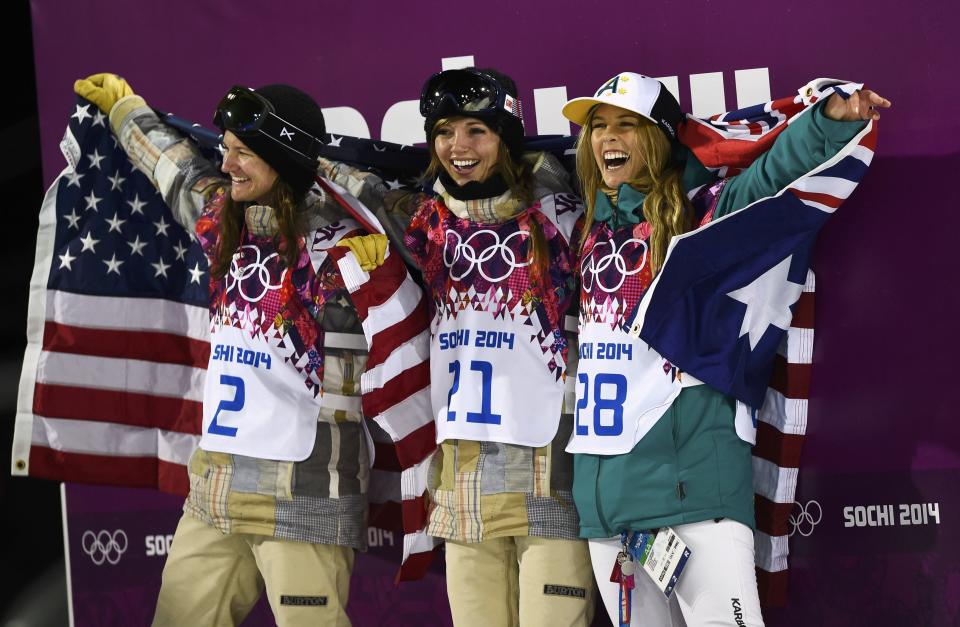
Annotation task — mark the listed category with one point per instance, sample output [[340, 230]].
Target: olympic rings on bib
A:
[[465, 250], [104, 546], [591, 267], [257, 267]]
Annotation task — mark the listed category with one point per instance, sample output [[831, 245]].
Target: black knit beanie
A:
[[302, 111]]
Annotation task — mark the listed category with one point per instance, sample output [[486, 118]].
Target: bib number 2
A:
[[485, 415], [603, 401], [236, 404]]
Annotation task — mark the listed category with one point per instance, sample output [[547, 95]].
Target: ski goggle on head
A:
[[246, 113], [466, 92]]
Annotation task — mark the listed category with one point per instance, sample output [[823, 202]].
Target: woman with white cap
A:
[[661, 449]]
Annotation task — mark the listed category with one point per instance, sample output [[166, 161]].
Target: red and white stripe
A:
[[352, 206], [782, 423], [782, 420], [826, 193], [112, 388], [395, 386], [119, 403]]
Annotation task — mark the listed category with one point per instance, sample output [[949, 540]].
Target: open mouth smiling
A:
[[614, 159], [463, 166]]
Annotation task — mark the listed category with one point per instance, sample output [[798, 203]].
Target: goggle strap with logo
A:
[[291, 137], [244, 112]]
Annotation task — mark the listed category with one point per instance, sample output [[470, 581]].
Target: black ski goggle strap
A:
[[244, 112], [465, 92]]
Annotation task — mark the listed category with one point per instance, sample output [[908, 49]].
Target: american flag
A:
[[111, 389], [149, 334], [756, 256], [112, 384]]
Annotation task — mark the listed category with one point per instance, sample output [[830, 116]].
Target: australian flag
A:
[[724, 299]]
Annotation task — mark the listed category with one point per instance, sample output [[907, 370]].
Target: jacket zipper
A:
[[674, 423]]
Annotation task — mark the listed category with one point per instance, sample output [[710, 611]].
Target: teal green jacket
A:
[[691, 466]]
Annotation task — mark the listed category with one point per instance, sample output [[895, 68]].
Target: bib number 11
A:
[[603, 401], [485, 415]]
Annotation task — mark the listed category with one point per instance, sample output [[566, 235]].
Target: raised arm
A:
[[184, 178], [810, 140]]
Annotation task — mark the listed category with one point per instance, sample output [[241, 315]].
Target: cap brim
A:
[[578, 109]]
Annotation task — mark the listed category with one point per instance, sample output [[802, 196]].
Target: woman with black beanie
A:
[[278, 485]]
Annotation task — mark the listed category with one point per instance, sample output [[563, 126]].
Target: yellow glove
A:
[[103, 90], [368, 249]]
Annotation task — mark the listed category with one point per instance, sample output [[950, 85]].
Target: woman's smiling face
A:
[[615, 144], [467, 148], [252, 178]]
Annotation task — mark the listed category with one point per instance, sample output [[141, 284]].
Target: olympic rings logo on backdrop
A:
[[237, 276], [104, 546], [804, 521], [592, 267], [455, 249]]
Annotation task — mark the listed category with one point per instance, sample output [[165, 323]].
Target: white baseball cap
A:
[[640, 94]]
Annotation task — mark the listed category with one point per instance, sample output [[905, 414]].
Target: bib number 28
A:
[[236, 404], [609, 394]]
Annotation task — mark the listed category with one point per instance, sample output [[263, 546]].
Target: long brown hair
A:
[[666, 207], [290, 228], [518, 175]]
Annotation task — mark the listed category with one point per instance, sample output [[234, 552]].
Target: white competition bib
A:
[[623, 388], [490, 382], [253, 404]]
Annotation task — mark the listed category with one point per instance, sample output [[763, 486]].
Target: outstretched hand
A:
[[103, 90], [862, 105]]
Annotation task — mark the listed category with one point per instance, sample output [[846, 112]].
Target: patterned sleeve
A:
[[208, 222], [424, 233], [549, 176], [563, 265], [184, 178], [562, 257], [393, 208]]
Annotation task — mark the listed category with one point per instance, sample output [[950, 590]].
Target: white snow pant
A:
[[718, 585]]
